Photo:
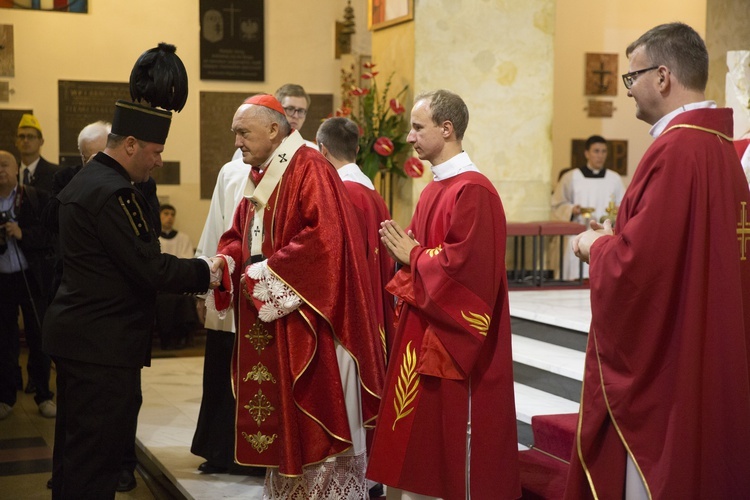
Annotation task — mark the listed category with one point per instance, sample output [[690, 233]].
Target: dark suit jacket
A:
[[43, 175]]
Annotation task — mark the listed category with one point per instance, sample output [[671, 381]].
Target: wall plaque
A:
[[232, 40], [601, 74], [217, 140], [81, 103], [7, 64], [168, 173], [617, 155]]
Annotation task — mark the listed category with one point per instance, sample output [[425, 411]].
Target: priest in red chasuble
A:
[[447, 423], [338, 140], [666, 392], [308, 363]]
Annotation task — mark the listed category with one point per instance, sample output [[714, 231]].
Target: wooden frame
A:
[[384, 13]]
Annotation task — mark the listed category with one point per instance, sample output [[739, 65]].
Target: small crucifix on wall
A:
[[601, 74]]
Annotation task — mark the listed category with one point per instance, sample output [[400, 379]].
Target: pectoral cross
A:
[[743, 231], [256, 232]]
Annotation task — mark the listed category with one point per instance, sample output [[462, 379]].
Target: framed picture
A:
[[384, 13]]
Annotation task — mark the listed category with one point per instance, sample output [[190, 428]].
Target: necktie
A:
[[26, 177]]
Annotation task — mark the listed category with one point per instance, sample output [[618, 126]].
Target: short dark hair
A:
[[291, 90], [167, 206], [593, 140], [341, 136], [447, 106], [678, 47]]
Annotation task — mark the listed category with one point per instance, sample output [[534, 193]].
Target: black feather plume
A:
[[160, 79]]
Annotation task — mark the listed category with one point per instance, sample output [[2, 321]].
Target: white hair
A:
[[94, 131]]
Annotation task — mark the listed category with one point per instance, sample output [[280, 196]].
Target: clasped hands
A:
[[216, 265], [582, 242], [398, 243]]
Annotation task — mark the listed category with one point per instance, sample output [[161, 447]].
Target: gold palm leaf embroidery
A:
[[406, 388], [434, 251], [259, 441], [479, 321], [382, 341]]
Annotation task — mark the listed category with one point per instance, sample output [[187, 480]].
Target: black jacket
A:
[[112, 268], [43, 175]]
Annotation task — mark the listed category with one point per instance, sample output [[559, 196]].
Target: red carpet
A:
[[544, 469]]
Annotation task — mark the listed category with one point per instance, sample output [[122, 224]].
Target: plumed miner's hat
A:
[[159, 79], [30, 121]]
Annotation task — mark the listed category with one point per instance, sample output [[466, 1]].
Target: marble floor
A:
[[172, 394]]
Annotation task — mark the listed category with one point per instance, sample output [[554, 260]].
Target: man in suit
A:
[[35, 170], [26, 262]]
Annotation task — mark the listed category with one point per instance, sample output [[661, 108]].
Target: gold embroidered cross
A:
[[258, 336], [743, 231]]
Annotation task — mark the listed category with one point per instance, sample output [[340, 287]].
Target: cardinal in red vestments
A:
[[308, 364], [666, 392], [447, 423]]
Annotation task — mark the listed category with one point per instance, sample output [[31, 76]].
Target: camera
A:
[[5, 216]]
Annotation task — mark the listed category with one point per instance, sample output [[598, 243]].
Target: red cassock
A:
[[290, 405], [451, 355], [371, 211], [668, 360]]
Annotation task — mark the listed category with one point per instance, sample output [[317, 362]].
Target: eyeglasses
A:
[[629, 78], [30, 137], [291, 111]]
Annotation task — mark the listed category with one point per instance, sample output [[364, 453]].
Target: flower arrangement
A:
[[382, 125]]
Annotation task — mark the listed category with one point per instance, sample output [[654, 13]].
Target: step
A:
[[542, 476], [570, 309], [555, 434]]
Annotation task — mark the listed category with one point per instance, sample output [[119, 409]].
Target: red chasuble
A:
[[451, 358], [371, 211], [290, 405], [668, 360]]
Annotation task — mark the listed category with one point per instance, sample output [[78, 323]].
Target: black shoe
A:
[[49, 484], [126, 481], [376, 491], [30, 387], [207, 468]]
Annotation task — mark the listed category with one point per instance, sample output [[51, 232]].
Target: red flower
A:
[[368, 76], [413, 167], [342, 111], [356, 91], [369, 65], [383, 146], [397, 107]]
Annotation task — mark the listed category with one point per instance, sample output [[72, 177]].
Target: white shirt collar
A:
[[659, 126], [351, 172], [457, 165], [32, 167]]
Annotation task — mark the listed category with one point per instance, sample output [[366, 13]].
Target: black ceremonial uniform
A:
[[98, 327]]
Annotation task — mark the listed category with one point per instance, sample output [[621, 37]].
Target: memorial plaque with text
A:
[[9, 120], [81, 103], [168, 173], [232, 40], [217, 139]]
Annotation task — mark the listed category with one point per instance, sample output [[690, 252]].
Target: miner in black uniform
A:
[[98, 328]]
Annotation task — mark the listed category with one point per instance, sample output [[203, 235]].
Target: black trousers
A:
[[97, 407], [17, 290], [214, 433]]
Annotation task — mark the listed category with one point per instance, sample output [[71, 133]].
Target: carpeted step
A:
[[555, 434], [542, 476]]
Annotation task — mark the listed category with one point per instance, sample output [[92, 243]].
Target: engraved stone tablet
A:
[[81, 103]]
